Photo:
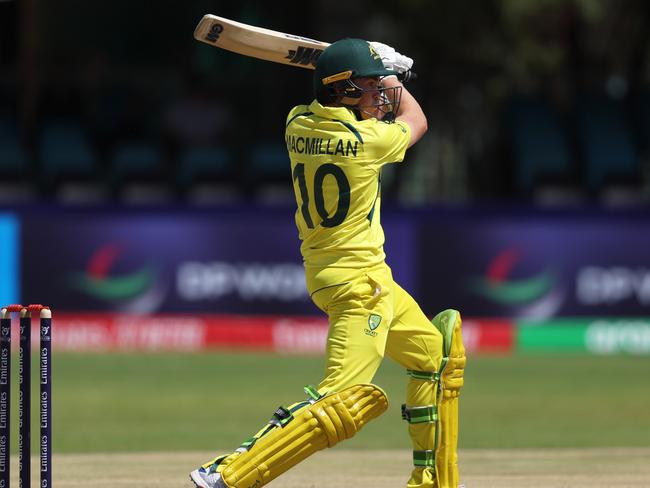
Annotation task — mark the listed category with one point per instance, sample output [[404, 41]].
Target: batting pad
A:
[[333, 418], [451, 381]]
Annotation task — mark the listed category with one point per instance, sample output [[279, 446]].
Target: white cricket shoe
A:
[[203, 478]]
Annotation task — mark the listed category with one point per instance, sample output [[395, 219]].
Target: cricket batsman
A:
[[362, 118]]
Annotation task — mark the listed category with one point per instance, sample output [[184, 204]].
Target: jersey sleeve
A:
[[390, 142]]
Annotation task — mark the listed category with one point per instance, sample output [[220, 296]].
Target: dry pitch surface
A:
[[558, 468]]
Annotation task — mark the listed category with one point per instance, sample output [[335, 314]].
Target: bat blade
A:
[[259, 42]]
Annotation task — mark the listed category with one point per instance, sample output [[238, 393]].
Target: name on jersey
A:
[[316, 145]]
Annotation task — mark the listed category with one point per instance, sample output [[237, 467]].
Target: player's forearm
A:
[[409, 111]]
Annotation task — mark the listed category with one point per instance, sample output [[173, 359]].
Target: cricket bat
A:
[[258, 42]]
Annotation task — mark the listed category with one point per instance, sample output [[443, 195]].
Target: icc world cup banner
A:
[[235, 261], [537, 266]]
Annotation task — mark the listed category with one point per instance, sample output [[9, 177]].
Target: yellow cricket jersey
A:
[[336, 163]]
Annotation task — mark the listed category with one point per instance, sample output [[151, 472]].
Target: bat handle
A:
[[407, 76]]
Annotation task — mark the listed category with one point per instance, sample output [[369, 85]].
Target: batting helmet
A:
[[345, 60]]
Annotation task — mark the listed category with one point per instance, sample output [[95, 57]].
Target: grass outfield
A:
[[204, 402]]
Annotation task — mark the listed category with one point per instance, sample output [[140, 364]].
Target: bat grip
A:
[[407, 76]]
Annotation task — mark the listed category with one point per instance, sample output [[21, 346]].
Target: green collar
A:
[[333, 113]]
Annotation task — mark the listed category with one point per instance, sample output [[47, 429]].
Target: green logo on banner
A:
[[499, 287]]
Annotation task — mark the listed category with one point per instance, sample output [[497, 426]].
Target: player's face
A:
[[370, 99]]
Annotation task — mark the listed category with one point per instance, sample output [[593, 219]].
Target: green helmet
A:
[[344, 60]]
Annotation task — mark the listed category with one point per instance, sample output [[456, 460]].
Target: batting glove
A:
[[391, 58]]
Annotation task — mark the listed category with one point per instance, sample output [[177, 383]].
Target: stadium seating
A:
[[13, 159], [642, 120], [69, 167], [543, 160], [611, 160], [15, 184], [207, 175], [137, 173], [270, 172]]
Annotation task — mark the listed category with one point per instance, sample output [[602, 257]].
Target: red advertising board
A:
[[488, 335], [297, 335]]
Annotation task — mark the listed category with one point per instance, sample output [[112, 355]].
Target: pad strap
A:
[[312, 393], [281, 417], [420, 415], [424, 375], [424, 459]]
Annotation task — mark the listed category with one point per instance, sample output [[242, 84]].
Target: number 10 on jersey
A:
[[317, 192]]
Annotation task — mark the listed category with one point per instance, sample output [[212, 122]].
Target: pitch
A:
[[481, 468]]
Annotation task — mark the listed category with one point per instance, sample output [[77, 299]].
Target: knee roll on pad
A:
[[452, 368], [324, 423]]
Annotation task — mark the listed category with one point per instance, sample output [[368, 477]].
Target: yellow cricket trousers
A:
[[372, 316]]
